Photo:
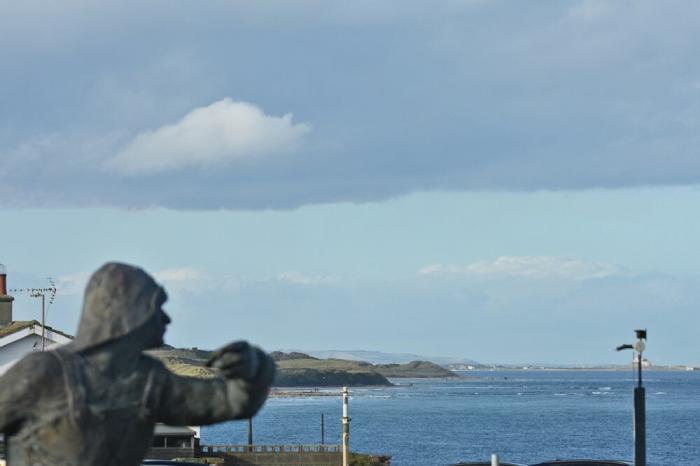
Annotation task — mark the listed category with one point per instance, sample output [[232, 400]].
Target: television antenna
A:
[[41, 293]]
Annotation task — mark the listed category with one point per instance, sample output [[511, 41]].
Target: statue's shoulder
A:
[[45, 363], [32, 371]]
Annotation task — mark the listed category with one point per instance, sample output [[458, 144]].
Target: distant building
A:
[[645, 362]]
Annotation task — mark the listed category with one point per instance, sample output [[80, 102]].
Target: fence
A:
[[274, 455]]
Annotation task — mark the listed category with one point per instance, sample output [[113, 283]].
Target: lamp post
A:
[[640, 441], [250, 434], [346, 428], [323, 430]]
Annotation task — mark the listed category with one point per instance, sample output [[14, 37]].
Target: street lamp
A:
[[640, 447]]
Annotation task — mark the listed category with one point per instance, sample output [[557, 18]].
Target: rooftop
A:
[[17, 325]]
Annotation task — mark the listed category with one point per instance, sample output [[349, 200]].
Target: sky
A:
[[500, 181]]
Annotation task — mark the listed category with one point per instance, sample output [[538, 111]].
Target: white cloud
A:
[[299, 278], [180, 274], [179, 278], [211, 136], [528, 267], [193, 280], [189, 279], [72, 284]]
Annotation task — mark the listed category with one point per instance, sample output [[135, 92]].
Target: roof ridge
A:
[[17, 325]]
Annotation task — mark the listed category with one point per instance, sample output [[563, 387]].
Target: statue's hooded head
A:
[[119, 299]]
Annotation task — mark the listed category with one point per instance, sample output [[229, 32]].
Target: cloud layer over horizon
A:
[[401, 98], [527, 267], [462, 312]]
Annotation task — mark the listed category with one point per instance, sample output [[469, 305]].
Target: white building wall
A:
[[13, 352]]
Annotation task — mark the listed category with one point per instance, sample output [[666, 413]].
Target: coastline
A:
[[304, 392], [574, 369]]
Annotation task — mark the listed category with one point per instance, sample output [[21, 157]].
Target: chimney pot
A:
[[3, 280], [5, 300]]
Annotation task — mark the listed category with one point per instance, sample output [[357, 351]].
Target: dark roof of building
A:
[[17, 325]]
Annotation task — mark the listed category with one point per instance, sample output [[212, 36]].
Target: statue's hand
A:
[[236, 360]]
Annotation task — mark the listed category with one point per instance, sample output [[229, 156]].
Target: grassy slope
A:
[[412, 369]]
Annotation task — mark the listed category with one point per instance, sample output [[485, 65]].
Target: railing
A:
[[278, 449]]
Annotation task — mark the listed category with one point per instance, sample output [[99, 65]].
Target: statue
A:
[[95, 401]]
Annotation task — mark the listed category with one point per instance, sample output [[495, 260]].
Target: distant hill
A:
[[307, 377], [378, 357], [301, 370], [296, 369], [187, 353], [417, 369], [281, 356], [411, 369]]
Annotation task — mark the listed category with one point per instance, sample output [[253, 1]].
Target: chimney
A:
[[5, 300]]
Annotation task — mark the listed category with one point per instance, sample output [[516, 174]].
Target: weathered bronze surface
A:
[[95, 401]]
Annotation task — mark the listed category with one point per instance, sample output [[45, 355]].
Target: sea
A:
[[524, 416]]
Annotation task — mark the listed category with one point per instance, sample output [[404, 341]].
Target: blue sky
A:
[[494, 180]]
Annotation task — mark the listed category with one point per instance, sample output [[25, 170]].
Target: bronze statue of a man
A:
[[95, 401]]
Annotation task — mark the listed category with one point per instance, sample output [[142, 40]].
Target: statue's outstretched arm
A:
[[247, 373]]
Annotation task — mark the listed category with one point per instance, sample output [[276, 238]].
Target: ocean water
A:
[[524, 416]]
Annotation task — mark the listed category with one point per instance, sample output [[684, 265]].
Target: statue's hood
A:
[[119, 298]]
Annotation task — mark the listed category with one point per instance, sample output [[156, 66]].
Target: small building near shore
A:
[[174, 442], [645, 362]]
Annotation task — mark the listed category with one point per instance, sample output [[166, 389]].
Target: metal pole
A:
[[639, 370], [43, 324], [250, 433], [323, 431], [640, 421], [640, 441], [494, 460], [346, 429]]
